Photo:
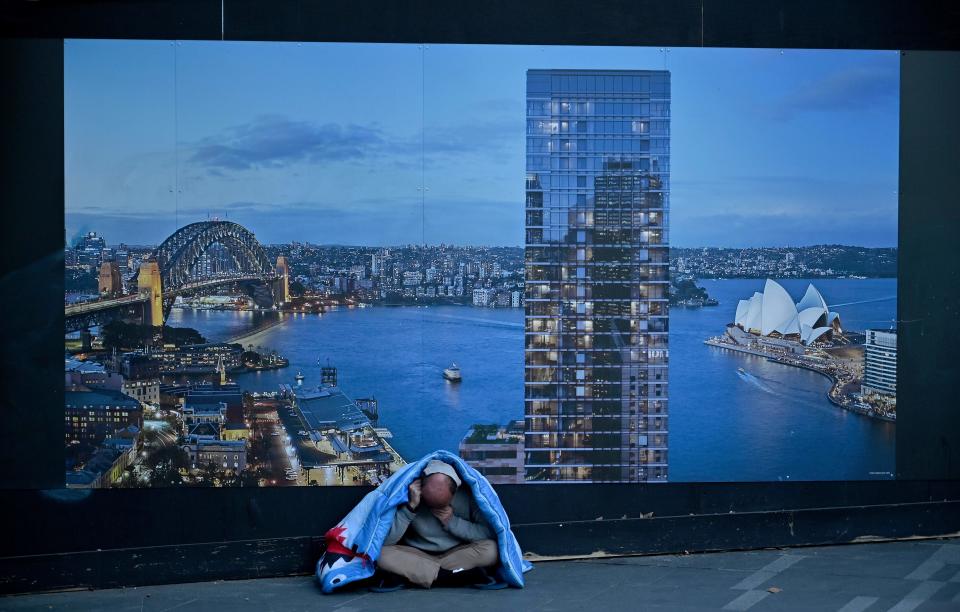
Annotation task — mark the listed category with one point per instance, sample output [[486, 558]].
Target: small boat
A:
[[299, 377], [741, 370], [452, 373]]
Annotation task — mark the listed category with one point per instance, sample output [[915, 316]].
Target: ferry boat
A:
[[452, 373]]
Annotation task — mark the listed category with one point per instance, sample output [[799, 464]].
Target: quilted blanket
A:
[[353, 545]]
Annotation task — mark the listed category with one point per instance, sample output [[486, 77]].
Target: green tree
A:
[[211, 474], [250, 477], [123, 336], [180, 336], [297, 289], [166, 474], [250, 358]]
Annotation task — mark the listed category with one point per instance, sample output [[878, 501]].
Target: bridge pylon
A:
[[148, 285], [281, 289], [109, 281]]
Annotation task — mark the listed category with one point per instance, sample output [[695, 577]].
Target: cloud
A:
[[272, 141], [486, 137], [848, 90]]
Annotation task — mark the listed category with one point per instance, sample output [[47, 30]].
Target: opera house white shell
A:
[[773, 311]]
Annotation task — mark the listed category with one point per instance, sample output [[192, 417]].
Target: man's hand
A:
[[444, 514], [414, 491]]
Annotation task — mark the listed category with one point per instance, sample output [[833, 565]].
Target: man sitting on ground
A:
[[438, 537]]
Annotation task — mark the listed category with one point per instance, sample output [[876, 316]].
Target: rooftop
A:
[[325, 407], [72, 364], [492, 434], [910, 575], [234, 444], [98, 398]]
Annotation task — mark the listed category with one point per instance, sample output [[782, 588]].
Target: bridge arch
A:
[[179, 254]]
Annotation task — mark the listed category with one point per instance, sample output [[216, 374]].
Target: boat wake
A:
[[883, 299], [799, 395], [756, 382], [490, 322]]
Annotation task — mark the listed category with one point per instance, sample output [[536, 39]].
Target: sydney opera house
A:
[[773, 313]]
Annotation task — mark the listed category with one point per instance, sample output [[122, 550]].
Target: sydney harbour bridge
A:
[[176, 267]]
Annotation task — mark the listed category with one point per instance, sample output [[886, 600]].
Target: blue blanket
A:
[[353, 546]]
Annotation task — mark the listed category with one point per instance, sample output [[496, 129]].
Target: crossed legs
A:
[[421, 568]]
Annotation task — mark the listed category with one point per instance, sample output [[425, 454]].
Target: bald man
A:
[[438, 537]]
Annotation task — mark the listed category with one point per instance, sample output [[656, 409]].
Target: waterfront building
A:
[[516, 299], [597, 198], [91, 415], [342, 426], [496, 452], [880, 362], [773, 314], [482, 296], [187, 359]]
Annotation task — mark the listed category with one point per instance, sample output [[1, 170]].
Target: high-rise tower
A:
[[597, 261]]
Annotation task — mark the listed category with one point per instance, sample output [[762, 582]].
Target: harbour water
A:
[[769, 422]]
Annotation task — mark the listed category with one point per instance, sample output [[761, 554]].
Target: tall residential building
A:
[[880, 362], [597, 197]]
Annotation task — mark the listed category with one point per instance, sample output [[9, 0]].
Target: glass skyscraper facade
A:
[[597, 275]]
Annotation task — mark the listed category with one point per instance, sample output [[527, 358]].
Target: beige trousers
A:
[[421, 568]]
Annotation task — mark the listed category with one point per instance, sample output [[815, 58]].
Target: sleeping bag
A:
[[353, 546]]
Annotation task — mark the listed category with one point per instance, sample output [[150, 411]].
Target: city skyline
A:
[[262, 144], [111, 243]]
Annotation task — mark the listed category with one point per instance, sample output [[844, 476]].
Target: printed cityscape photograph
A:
[[308, 264]]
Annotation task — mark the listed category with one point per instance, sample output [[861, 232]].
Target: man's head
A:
[[438, 490], [440, 482]]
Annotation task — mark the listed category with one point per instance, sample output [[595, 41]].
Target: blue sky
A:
[[329, 143]]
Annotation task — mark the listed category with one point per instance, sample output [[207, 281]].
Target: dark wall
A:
[[31, 268], [928, 366], [813, 24], [110, 537]]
